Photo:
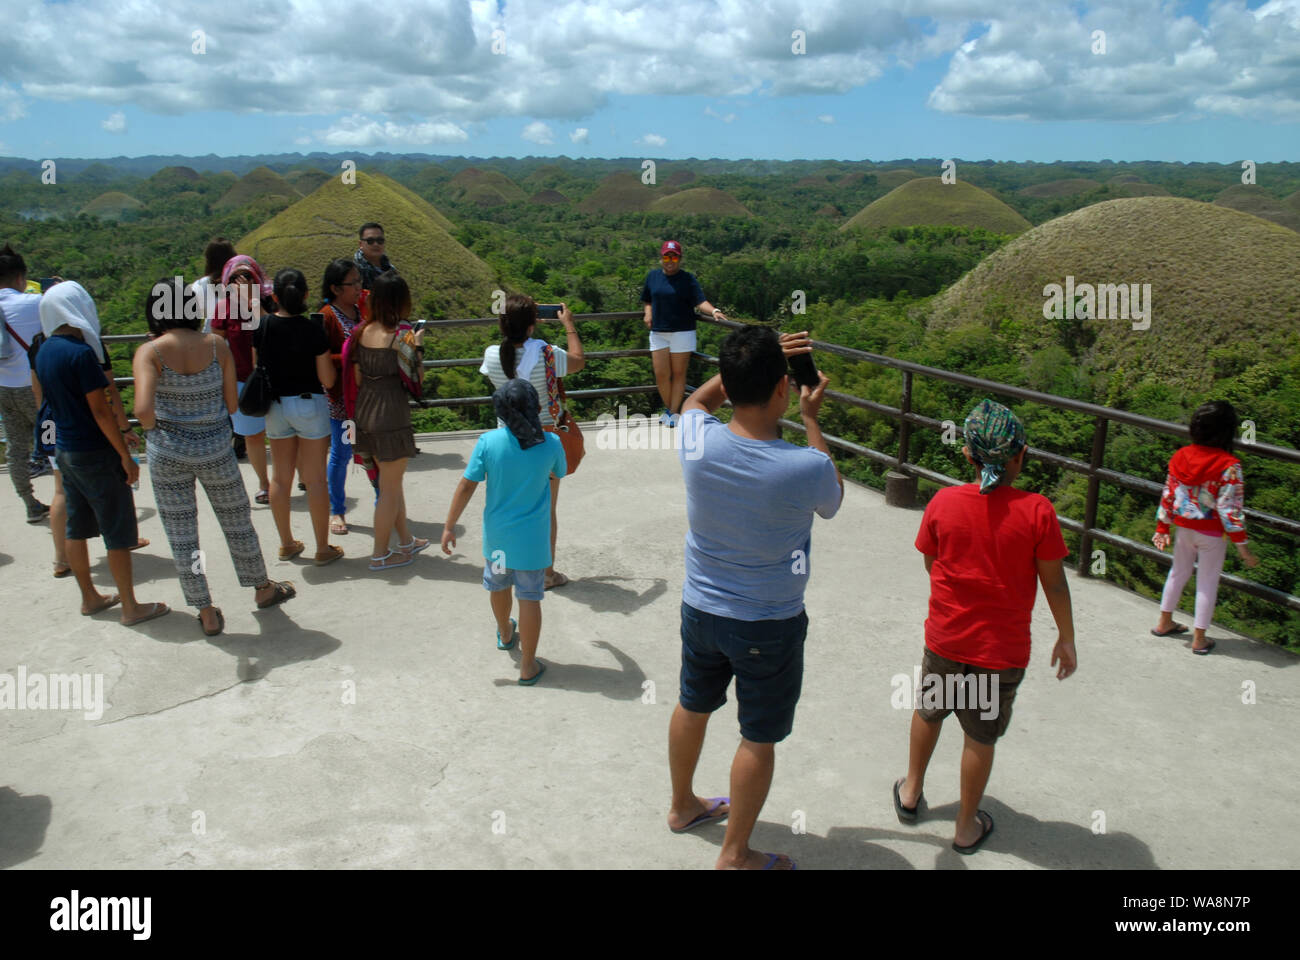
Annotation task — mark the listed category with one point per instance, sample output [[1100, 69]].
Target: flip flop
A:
[[339, 528], [511, 644], [336, 553], [293, 551], [708, 816], [113, 601], [906, 814], [1173, 631], [1202, 651], [772, 859], [62, 570], [541, 669], [284, 590], [139, 543], [262, 497], [221, 624], [153, 614], [987, 821], [558, 580]]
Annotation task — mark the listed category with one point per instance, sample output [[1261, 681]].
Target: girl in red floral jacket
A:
[[1204, 497]]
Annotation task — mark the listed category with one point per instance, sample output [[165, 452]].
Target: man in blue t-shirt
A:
[[671, 297], [517, 461], [90, 451], [750, 500]]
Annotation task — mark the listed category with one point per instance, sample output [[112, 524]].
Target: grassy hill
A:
[[112, 205], [316, 229], [889, 179], [485, 188], [701, 200], [930, 202], [262, 183], [1254, 200], [1136, 188], [619, 193], [1220, 280], [547, 197], [1060, 188], [306, 181]]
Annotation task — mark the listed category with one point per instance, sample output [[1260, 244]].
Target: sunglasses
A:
[[372, 240], [674, 257]]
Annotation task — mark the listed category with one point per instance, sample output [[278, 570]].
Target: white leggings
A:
[[1206, 553]]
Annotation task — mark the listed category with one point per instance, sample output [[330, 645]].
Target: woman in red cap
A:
[[672, 296]]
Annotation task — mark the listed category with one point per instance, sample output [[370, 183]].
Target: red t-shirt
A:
[[985, 578]]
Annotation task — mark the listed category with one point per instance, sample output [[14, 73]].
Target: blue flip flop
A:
[[709, 815], [541, 669], [772, 858], [511, 644]]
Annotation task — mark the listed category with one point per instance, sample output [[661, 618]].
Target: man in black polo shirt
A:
[[370, 258], [672, 296]]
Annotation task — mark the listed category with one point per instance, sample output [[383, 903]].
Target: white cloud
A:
[[581, 135], [116, 122], [725, 118], [538, 132], [825, 118], [359, 131], [11, 104], [652, 140]]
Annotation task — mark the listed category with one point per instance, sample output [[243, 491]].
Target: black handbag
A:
[[257, 396]]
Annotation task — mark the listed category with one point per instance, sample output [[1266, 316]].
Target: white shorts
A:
[[674, 341]]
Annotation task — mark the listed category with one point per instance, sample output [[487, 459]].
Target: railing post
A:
[[1094, 485], [900, 487]]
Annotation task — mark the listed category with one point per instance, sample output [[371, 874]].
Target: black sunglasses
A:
[[372, 240]]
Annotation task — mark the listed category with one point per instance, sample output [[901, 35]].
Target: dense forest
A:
[[787, 263]]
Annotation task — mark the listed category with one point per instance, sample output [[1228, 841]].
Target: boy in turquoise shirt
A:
[[517, 461]]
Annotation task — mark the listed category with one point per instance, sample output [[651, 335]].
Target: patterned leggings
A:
[[173, 489]]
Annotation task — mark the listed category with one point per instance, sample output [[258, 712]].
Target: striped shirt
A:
[[491, 368]]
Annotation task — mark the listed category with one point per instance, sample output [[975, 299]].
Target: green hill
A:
[[112, 206], [1219, 279], [889, 179], [175, 178], [619, 193], [305, 181], [486, 188], [548, 197], [324, 225], [1059, 188], [678, 178], [701, 200], [262, 183], [930, 202], [1136, 188], [1253, 200]]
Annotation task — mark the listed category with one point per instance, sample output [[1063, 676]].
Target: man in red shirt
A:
[[986, 547]]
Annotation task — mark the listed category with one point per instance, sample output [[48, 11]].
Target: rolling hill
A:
[[930, 202], [701, 200], [485, 188], [112, 206], [258, 184], [1059, 188], [619, 193], [324, 225], [1253, 200]]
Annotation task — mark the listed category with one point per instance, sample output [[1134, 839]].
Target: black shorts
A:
[[99, 498]]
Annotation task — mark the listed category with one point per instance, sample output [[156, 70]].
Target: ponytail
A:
[[519, 315]]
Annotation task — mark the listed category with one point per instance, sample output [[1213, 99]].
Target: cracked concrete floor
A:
[[370, 722]]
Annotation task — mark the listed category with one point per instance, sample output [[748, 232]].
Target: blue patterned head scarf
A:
[[994, 435], [518, 407]]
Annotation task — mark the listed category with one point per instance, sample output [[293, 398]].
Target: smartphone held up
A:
[[804, 370]]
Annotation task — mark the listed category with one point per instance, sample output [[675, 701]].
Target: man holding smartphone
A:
[[20, 314], [750, 500]]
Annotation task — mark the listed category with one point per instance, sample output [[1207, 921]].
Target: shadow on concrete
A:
[[439, 461], [281, 642], [1257, 651], [147, 568], [23, 822], [1050, 844], [622, 684], [5, 559], [604, 595], [432, 564], [148, 513]]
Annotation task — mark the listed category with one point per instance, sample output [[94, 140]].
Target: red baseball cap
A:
[[671, 246]]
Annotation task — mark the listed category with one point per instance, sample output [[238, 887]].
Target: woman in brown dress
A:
[[383, 412]]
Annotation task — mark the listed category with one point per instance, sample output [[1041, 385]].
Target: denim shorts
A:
[[766, 658], [296, 417], [243, 424], [528, 584], [99, 498]]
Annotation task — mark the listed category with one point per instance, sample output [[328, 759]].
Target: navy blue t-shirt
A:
[[672, 300], [68, 370]]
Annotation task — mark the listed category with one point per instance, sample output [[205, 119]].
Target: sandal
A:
[[155, 610], [62, 570], [297, 547], [415, 546], [339, 526], [262, 497], [139, 543], [511, 644], [986, 823], [336, 553], [284, 590], [558, 580], [384, 563], [221, 623]]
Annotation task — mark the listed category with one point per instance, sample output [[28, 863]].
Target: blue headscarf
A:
[[994, 435]]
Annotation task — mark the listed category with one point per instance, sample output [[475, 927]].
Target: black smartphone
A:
[[47, 282], [804, 370], [549, 311]]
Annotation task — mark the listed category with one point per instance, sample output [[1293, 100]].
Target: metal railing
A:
[[907, 419]]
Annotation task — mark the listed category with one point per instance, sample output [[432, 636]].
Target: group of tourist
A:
[[341, 387]]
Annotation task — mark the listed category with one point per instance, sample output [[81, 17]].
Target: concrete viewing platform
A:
[[371, 721]]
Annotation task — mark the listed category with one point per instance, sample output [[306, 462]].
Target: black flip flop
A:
[[1202, 651], [906, 814], [985, 819], [1174, 631]]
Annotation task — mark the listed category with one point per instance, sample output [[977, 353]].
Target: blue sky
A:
[[1205, 81]]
